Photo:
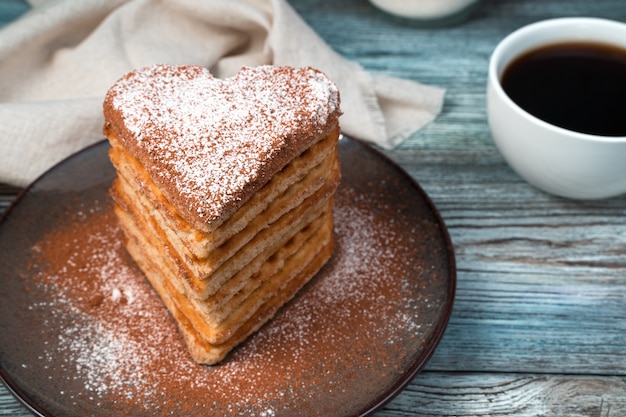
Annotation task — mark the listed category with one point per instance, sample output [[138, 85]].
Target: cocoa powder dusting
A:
[[340, 343], [188, 128]]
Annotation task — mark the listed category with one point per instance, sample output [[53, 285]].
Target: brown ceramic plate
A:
[[83, 333]]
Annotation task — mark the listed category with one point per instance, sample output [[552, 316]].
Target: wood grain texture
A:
[[443, 394], [539, 325]]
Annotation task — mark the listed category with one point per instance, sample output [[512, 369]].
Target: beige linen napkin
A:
[[58, 60]]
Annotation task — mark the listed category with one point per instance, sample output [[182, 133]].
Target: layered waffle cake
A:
[[224, 191]]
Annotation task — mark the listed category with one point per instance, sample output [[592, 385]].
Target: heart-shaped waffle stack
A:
[[224, 191]]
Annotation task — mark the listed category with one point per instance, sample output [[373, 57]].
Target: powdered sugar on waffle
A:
[[209, 140]]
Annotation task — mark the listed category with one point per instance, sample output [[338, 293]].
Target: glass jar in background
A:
[[428, 13]]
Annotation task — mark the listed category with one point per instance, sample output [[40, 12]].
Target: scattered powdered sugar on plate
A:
[[108, 314], [114, 347]]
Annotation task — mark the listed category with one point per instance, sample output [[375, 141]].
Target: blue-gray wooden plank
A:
[[11, 10]]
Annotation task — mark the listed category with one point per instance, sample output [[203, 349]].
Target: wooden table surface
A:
[[539, 324]]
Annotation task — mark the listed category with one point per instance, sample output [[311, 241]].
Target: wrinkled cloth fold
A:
[[58, 60]]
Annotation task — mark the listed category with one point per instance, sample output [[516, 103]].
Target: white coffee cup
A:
[[559, 161]]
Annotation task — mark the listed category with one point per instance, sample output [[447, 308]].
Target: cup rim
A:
[[507, 41]]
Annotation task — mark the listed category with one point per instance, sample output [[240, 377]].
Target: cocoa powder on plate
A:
[[342, 341]]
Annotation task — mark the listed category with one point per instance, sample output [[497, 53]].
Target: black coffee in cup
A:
[[577, 86]]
